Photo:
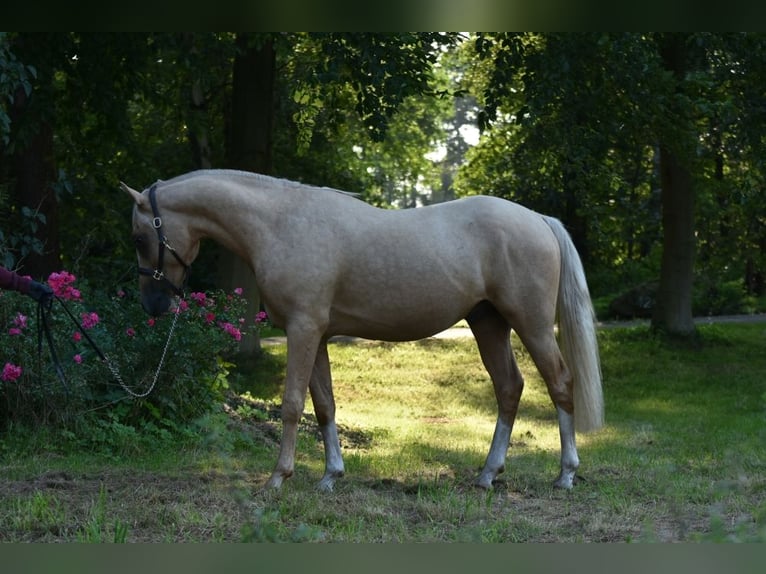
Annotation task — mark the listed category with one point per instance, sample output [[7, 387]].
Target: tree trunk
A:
[[673, 308], [198, 136], [252, 105], [249, 148]]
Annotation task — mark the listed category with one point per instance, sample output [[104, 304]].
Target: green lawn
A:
[[681, 458]]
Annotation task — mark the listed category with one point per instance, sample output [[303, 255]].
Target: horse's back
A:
[[472, 228]]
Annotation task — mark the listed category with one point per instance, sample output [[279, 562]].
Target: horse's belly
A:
[[402, 332], [386, 318]]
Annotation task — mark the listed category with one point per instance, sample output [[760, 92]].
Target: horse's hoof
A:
[[484, 482], [328, 481], [564, 481], [275, 482]]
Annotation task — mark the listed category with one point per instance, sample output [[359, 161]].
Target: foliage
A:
[[14, 75], [21, 241], [716, 297], [576, 120], [326, 136], [382, 70], [192, 380]]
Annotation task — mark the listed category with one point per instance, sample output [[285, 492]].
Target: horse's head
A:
[[164, 246]]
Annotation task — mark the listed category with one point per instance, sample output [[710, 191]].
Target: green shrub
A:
[[721, 298], [191, 381]]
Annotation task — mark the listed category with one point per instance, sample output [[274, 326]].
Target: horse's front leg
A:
[[301, 355], [324, 408]]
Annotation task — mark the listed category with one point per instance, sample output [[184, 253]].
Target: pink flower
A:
[[77, 336], [89, 320], [20, 321], [261, 317], [130, 332], [150, 321], [209, 318], [199, 297], [121, 293], [232, 330], [11, 372], [14, 331], [238, 291], [77, 358], [183, 305], [61, 283]]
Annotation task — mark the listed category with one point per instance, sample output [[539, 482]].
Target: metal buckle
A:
[[158, 275], [157, 222]]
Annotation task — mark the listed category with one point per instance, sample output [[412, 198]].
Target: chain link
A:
[[118, 377]]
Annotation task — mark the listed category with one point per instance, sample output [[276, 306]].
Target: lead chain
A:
[[146, 393]]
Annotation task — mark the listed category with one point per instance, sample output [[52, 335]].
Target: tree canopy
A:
[[649, 146]]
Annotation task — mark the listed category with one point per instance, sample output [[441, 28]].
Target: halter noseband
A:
[[158, 274]]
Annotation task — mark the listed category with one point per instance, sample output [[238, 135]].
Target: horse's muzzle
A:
[[155, 303]]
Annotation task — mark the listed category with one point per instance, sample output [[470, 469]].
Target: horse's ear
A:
[[137, 197]]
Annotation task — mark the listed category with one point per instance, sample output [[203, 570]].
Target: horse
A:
[[326, 263]]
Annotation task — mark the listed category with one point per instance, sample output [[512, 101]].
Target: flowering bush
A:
[[191, 381]]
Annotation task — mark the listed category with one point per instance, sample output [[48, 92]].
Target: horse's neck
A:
[[226, 211], [243, 212], [237, 208]]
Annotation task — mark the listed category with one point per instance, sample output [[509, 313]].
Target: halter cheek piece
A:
[[158, 274]]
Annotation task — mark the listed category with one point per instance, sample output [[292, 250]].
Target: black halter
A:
[[158, 274]]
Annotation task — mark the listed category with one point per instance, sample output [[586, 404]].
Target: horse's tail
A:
[[577, 334]]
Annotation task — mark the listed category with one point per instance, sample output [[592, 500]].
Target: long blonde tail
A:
[[577, 334]]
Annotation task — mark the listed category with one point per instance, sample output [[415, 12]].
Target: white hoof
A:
[[565, 480], [275, 481], [328, 481], [484, 480]]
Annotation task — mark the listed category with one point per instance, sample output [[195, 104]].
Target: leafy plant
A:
[[192, 379]]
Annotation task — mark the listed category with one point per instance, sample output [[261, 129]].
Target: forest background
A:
[[649, 146]]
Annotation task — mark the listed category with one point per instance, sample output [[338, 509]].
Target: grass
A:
[[681, 458]]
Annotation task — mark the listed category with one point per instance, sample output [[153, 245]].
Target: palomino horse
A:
[[329, 264]]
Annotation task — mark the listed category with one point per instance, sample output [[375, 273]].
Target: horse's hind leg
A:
[[492, 334], [324, 408], [545, 353]]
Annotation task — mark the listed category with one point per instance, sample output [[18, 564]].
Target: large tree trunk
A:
[[249, 148], [252, 105], [673, 309]]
